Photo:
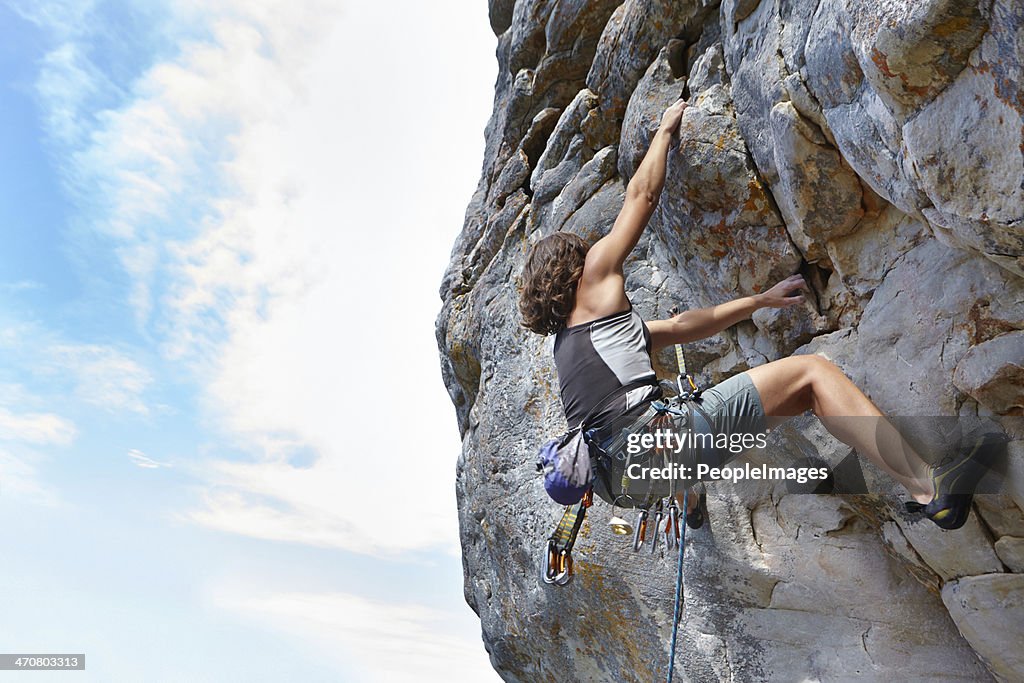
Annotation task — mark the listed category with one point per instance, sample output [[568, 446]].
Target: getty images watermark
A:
[[664, 458], [668, 441]]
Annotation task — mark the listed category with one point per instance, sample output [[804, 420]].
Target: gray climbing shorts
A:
[[727, 413], [734, 406]]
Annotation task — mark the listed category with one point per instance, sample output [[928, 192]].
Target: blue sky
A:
[[223, 234]]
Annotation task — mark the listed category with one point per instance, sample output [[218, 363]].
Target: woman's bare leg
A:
[[796, 384]]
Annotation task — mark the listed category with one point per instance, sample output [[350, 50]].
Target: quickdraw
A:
[[689, 390], [558, 568], [658, 516], [672, 527]]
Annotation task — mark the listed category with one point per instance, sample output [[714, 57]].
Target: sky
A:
[[226, 452]]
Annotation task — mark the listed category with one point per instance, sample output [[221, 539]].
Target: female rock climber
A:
[[577, 292]]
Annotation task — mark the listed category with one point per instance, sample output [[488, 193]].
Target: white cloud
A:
[[21, 433], [282, 189], [12, 393], [36, 428], [66, 81], [281, 194], [144, 461], [19, 480], [63, 17], [103, 376], [330, 339], [56, 369], [27, 438], [20, 286], [390, 642]]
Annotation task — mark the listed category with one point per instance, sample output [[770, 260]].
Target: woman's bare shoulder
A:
[[598, 299]]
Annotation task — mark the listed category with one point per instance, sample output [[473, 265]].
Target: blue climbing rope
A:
[[679, 590], [688, 390]]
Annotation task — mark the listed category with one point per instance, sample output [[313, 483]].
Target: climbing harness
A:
[[567, 461]]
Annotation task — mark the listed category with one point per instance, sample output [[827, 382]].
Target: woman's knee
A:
[[816, 368], [795, 384], [784, 386]]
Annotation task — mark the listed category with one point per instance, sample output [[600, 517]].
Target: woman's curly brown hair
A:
[[547, 291]]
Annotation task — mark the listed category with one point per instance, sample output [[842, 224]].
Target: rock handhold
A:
[[993, 373], [989, 609], [818, 195]]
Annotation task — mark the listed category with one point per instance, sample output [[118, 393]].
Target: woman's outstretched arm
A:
[[701, 323], [642, 193], [602, 287]]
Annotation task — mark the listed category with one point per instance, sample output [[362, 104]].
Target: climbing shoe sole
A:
[[956, 479]]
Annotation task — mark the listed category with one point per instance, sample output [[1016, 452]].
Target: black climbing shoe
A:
[[695, 517], [948, 511], [956, 478]]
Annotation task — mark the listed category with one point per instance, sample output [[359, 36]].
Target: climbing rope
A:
[[679, 593], [690, 391]]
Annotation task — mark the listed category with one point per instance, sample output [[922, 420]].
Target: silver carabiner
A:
[[672, 532], [658, 516], [640, 529], [550, 561], [557, 565]]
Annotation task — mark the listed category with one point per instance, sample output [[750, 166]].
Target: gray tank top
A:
[[595, 358]]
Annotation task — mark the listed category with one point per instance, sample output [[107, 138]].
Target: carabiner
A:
[[551, 568], [565, 575], [658, 515], [672, 528], [557, 564], [640, 532]]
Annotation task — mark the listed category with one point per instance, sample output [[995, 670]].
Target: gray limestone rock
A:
[[877, 147], [1010, 550], [819, 197], [993, 373], [988, 610]]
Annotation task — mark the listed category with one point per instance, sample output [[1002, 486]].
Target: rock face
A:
[[877, 147]]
